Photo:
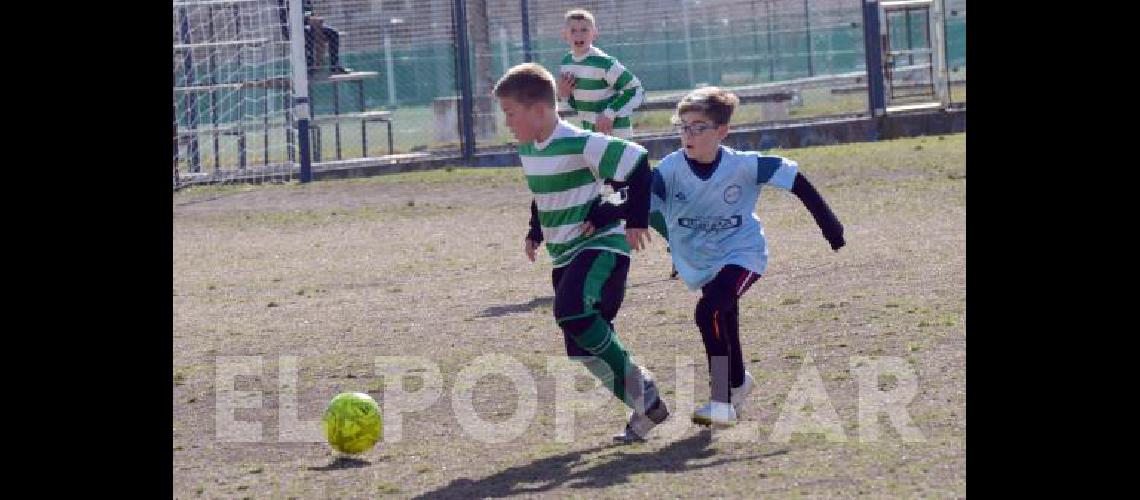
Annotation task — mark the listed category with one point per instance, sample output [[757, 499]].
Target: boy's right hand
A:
[[530, 249], [637, 237], [566, 85]]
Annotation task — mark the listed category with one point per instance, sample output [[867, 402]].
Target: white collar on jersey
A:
[[594, 51], [560, 130]]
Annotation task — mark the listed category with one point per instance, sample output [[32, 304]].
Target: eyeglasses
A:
[[696, 129]]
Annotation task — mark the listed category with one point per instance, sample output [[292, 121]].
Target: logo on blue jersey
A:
[[732, 194], [681, 196], [710, 224]]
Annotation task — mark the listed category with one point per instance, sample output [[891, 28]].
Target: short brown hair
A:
[[715, 102], [579, 15], [527, 83]]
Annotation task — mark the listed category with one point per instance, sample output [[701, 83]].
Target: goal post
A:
[[239, 95]]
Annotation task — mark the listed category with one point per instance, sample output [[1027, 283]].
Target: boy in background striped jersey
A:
[[563, 165], [596, 85]]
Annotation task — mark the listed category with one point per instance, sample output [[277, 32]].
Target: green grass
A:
[[386, 488]]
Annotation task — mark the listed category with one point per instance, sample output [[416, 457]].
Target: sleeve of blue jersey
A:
[[776, 171]]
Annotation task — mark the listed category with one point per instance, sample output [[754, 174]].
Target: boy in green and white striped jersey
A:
[[563, 165], [597, 86]]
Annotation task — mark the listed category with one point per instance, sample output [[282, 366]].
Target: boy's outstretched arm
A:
[[824, 217]]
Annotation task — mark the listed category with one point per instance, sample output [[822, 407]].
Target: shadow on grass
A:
[[496, 311], [343, 462], [578, 470]]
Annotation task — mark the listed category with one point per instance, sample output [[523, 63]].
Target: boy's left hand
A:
[[837, 243], [604, 125], [638, 238], [836, 239]]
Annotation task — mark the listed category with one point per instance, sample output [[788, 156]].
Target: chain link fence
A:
[[384, 74]]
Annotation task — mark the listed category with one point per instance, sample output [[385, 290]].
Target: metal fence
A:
[[405, 64]]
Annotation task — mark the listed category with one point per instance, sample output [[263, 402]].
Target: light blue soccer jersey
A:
[[711, 222]]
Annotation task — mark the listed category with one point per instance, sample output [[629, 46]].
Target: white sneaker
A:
[[715, 413], [740, 394]]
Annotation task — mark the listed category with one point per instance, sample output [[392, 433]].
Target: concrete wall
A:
[[821, 132]]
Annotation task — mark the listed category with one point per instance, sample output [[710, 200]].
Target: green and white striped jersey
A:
[[563, 173], [603, 85]]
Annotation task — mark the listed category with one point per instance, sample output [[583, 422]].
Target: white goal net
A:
[[232, 92]]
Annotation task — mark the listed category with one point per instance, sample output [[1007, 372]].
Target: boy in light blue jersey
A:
[[702, 202]]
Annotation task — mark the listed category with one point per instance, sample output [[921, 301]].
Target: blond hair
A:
[[527, 83], [580, 15]]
